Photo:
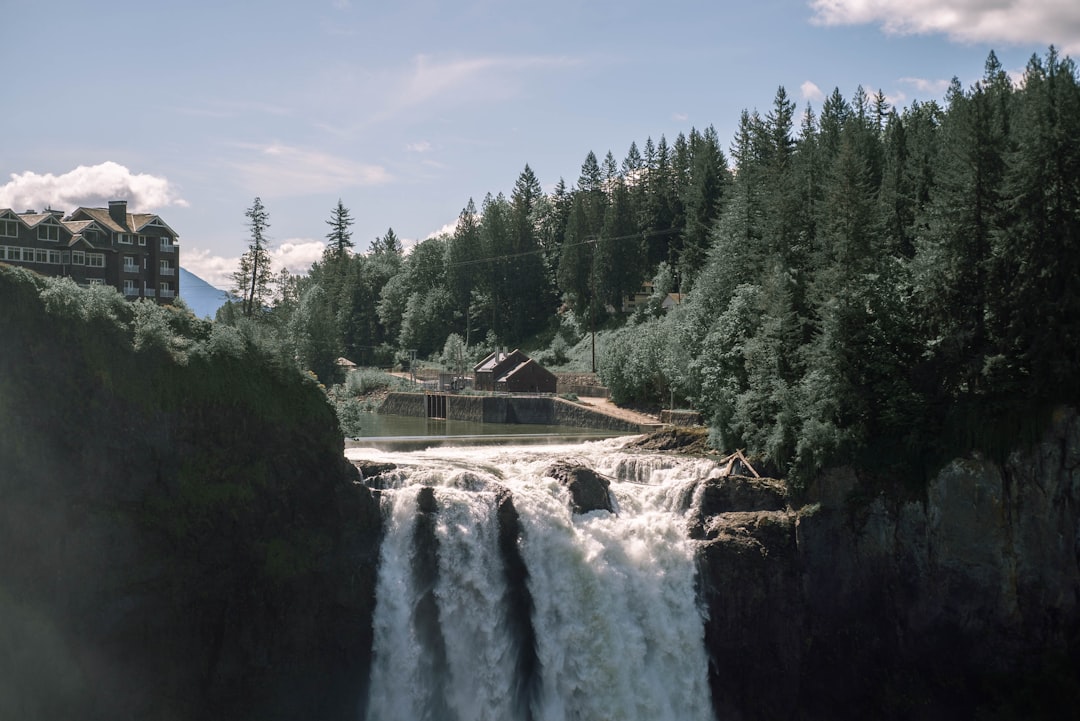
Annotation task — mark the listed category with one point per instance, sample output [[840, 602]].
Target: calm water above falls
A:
[[602, 623]]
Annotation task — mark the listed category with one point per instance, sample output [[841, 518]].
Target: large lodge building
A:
[[136, 253]]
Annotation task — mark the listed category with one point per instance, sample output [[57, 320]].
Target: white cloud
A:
[[680, 117], [214, 269], [810, 91], [89, 186], [296, 254], [422, 146], [283, 170], [896, 100], [1009, 21], [929, 87], [431, 80], [447, 229]]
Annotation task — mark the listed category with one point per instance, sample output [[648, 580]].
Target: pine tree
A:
[[709, 179], [339, 237], [528, 300], [387, 245], [1038, 318], [462, 253], [252, 279]]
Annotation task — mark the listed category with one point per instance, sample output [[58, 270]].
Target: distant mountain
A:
[[203, 298]]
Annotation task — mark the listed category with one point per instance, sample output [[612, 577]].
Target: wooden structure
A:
[[513, 372]]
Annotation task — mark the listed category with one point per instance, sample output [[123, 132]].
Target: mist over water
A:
[[607, 624]]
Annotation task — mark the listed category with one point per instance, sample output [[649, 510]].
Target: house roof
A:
[[508, 375], [489, 363], [78, 230], [101, 215], [505, 376], [34, 219], [138, 221], [498, 361], [9, 214]]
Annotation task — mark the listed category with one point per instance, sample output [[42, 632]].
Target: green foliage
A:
[[877, 266], [858, 285], [455, 354]]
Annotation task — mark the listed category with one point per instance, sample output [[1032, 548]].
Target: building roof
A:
[[139, 221], [101, 215], [498, 361], [509, 374], [33, 219]]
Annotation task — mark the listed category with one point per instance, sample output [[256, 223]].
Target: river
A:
[[410, 433]]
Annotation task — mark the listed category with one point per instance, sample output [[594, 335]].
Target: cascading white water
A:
[[616, 625]]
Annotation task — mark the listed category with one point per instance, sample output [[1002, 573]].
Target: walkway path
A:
[[604, 405]]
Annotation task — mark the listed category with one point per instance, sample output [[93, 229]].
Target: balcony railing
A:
[[131, 268], [168, 271], [149, 292], [168, 248], [167, 293], [130, 291]]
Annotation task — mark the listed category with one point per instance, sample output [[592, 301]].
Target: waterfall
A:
[[495, 602]]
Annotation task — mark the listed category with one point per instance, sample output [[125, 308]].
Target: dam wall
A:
[[528, 410]]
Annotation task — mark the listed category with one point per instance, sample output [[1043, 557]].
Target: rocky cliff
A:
[[181, 536], [960, 602]]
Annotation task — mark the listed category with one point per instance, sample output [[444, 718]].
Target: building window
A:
[[78, 257], [28, 255], [41, 255], [65, 257], [130, 266], [167, 244], [48, 232], [130, 288], [11, 253], [9, 228], [95, 260], [124, 238], [96, 281], [54, 257], [142, 240]]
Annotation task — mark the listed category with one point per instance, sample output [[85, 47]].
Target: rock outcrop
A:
[[589, 491], [182, 537], [962, 603]]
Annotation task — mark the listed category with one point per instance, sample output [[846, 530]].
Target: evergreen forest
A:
[[855, 282]]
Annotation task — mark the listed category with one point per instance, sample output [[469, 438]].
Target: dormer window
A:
[[124, 238], [9, 228], [49, 232]]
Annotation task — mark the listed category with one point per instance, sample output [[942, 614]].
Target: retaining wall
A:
[[531, 410]]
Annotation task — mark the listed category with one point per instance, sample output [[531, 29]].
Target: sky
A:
[[406, 109]]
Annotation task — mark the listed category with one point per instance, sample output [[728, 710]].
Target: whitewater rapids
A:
[[604, 621]]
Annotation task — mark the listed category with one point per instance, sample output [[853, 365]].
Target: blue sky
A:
[[406, 109]]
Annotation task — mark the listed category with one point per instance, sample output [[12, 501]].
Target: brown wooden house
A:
[[513, 372]]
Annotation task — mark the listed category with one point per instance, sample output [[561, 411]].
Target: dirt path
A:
[[603, 405]]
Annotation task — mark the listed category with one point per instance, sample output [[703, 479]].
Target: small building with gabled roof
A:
[[513, 372]]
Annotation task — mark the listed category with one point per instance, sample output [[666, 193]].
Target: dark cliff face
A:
[[182, 537], [964, 603]]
